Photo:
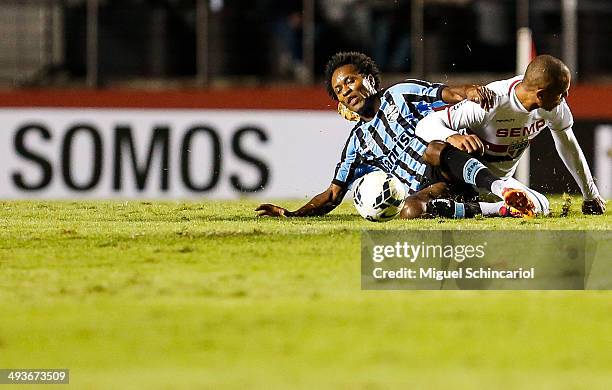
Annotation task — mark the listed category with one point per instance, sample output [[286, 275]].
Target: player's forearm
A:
[[571, 154], [455, 94], [319, 205], [434, 128]]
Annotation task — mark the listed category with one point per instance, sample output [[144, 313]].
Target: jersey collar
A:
[[514, 100]]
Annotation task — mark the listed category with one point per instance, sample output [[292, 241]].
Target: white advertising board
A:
[[173, 154]]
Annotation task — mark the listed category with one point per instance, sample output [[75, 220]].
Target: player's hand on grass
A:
[[481, 95], [594, 206], [468, 143], [271, 210]]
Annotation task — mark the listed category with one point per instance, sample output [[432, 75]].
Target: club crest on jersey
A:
[[515, 149], [391, 112]]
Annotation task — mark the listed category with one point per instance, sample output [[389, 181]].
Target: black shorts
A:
[[460, 191]]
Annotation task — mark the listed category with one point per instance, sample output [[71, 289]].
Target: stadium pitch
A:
[[206, 295]]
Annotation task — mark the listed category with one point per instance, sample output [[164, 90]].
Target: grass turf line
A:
[[185, 294]]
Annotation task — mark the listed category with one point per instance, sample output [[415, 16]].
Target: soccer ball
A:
[[378, 196]]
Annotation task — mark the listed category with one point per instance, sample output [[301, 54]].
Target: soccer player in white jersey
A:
[[525, 106]]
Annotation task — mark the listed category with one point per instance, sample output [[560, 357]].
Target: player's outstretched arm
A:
[[570, 152], [475, 93], [321, 204]]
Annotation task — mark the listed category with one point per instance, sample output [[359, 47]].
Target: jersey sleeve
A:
[[570, 152], [345, 169], [464, 114], [418, 90], [443, 124], [434, 127], [561, 118]]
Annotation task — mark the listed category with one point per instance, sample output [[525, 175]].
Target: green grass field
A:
[[205, 295]]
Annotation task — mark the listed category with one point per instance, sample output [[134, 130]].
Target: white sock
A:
[[497, 187], [490, 209]]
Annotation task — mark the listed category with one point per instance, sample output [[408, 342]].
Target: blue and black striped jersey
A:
[[388, 141]]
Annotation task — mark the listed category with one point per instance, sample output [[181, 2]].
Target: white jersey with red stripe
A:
[[507, 129]]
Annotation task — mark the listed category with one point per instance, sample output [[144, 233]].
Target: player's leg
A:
[[439, 198], [415, 206], [461, 202], [450, 208], [461, 167], [435, 198], [432, 185], [459, 208], [502, 209], [541, 203]]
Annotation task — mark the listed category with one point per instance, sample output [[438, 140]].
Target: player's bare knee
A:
[[434, 191], [433, 152], [413, 208]]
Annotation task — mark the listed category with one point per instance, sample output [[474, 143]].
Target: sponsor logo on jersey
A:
[[401, 145], [525, 131]]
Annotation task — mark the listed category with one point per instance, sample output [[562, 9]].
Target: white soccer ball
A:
[[378, 196]]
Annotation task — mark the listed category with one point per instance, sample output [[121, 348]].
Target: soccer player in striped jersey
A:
[[384, 138], [525, 106]]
